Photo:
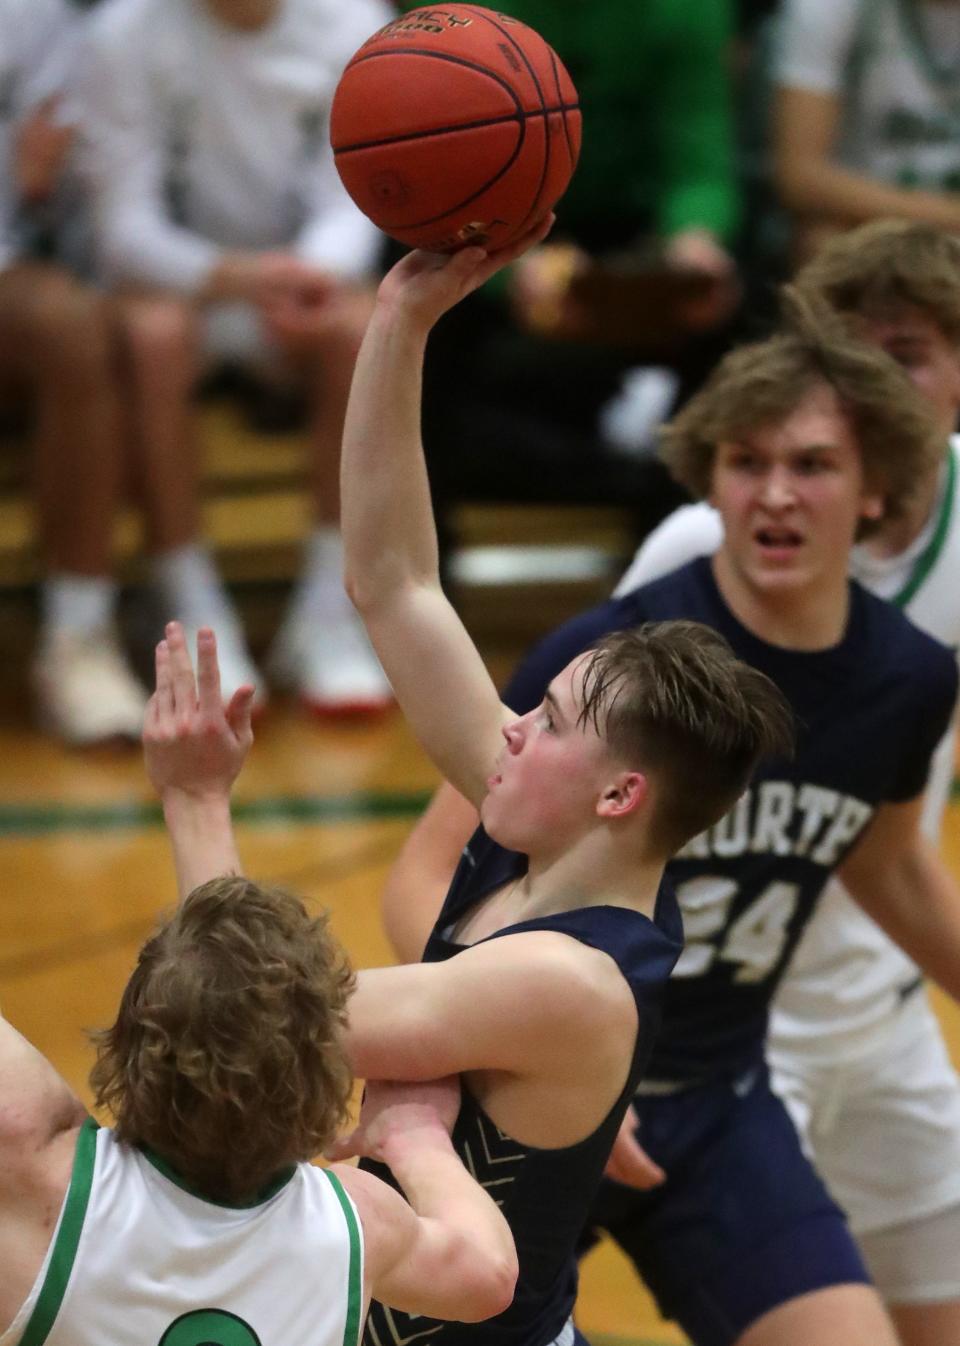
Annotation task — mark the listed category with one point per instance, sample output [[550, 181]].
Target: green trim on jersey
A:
[[351, 1332], [931, 554], [68, 1238], [259, 1198]]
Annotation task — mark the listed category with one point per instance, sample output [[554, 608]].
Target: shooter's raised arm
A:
[[392, 569]]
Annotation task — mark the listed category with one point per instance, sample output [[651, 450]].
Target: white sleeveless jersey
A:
[[139, 1260], [895, 66], [846, 976]]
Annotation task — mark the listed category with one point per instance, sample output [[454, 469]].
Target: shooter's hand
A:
[[191, 742], [424, 285]]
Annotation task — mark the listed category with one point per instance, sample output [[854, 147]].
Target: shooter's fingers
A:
[[181, 671], [208, 673]]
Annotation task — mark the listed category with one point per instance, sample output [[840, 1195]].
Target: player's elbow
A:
[[485, 1283]]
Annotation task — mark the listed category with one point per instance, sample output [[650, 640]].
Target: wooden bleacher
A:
[[257, 516]]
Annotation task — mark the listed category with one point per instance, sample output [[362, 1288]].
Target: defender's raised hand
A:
[[192, 743], [194, 749]]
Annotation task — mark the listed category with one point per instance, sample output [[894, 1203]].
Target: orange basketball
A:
[[455, 125]]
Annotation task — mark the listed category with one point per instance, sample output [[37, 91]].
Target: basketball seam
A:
[[436, 56], [564, 108], [459, 205], [504, 32], [519, 116]]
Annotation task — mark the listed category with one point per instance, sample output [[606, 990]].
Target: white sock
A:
[[190, 589], [77, 603]]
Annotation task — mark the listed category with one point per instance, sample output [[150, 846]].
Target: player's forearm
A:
[[815, 188], [917, 902], [386, 515], [468, 1225], [201, 837]]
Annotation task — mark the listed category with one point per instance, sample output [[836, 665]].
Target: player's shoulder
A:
[[554, 971], [895, 640]]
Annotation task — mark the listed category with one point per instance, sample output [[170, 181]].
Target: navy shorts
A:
[[742, 1223]]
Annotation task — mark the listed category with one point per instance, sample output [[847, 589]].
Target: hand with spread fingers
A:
[[192, 743]]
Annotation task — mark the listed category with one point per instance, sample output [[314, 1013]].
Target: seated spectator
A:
[[222, 227], [867, 122], [57, 347]]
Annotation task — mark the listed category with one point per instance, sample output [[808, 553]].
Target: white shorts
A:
[[883, 1128]]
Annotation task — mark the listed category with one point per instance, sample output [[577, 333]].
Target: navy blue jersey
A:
[[544, 1194], [869, 712]]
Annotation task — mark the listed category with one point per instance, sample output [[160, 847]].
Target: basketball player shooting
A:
[[560, 900]]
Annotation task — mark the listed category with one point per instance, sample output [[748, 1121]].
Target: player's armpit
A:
[[495, 1006], [36, 1107]]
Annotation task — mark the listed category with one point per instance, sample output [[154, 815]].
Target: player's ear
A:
[[872, 506], [623, 795]]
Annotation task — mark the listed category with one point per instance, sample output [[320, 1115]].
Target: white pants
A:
[[883, 1127]]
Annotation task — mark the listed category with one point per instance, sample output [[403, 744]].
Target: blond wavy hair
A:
[[227, 1056], [886, 266]]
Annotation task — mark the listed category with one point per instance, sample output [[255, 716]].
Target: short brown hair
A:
[[673, 698], [763, 383], [227, 1054], [886, 266]]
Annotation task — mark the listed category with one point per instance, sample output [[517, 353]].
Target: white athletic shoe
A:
[[330, 664], [85, 691], [237, 668]]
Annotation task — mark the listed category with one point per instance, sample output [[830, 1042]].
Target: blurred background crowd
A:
[[172, 228]]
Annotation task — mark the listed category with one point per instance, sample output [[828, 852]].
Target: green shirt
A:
[[655, 89]]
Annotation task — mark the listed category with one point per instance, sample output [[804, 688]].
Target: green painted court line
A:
[[30, 820], [34, 820]]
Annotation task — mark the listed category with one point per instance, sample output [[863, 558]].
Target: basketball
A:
[[453, 126]]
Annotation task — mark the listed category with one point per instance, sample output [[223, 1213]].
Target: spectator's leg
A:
[[161, 336], [57, 337], [321, 649]]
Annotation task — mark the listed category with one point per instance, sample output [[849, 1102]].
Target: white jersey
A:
[[894, 66], [138, 1260], [36, 44], [200, 137], [846, 976]]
